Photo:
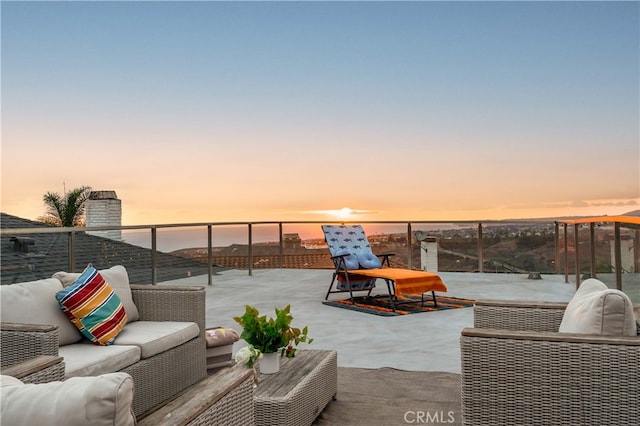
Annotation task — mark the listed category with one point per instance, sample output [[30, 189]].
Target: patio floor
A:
[[418, 342]]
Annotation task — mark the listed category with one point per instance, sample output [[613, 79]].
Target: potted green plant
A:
[[271, 335]]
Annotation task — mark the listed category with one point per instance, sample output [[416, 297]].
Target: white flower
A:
[[247, 356], [243, 356]]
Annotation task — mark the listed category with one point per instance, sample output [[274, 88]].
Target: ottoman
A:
[[220, 346]]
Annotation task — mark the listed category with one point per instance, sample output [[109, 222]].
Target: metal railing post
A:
[[72, 251], [592, 243], [209, 255], [556, 241], [250, 252], [577, 243], [480, 250], [618, 254], [409, 248], [281, 260], [154, 256], [636, 251], [566, 255]]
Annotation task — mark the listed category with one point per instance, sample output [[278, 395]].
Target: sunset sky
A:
[[250, 111]]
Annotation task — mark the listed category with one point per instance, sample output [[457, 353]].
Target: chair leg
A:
[[346, 277], [392, 293], [435, 302], [330, 286]]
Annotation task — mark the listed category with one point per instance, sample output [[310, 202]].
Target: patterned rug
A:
[[380, 305]]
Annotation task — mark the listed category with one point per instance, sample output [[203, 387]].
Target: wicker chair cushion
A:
[[118, 279], [35, 303], [86, 359], [596, 309], [103, 400], [93, 307], [154, 337]]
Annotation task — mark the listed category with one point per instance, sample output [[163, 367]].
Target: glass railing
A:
[[159, 253]]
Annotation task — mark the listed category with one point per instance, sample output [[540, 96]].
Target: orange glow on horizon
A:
[[148, 210]]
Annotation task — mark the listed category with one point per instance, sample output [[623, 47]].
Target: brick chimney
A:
[[103, 208]]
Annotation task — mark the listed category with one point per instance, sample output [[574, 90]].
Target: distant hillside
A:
[[553, 219]]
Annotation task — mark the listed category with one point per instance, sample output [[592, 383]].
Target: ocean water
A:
[[170, 239]]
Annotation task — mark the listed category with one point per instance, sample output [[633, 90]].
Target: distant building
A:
[[291, 241], [628, 258], [429, 254]]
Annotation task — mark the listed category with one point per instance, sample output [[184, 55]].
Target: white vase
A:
[[270, 363]]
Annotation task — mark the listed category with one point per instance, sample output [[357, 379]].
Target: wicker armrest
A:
[[40, 369], [549, 336], [518, 315], [171, 303], [20, 342], [226, 397], [513, 377]]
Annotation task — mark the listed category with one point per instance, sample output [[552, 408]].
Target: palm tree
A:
[[65, 210]]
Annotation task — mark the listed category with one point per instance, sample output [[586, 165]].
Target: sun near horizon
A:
[[343, 213]]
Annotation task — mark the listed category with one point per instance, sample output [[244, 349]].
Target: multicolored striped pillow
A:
[[92, 306]]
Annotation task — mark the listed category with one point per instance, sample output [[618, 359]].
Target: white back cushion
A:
[[35, 302], [79, 401], [118, 279], [597, 309]]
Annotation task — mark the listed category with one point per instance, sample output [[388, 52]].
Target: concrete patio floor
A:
[[417, 342]]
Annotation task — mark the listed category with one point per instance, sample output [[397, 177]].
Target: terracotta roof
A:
[[297, 261]]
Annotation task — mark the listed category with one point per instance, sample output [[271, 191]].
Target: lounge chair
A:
[[357, 268]]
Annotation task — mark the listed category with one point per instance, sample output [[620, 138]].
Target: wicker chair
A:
[[517, 369]]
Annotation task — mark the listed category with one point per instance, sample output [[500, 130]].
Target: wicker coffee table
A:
[[299, 392]]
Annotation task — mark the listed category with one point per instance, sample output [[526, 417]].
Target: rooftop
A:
[[417, 342]]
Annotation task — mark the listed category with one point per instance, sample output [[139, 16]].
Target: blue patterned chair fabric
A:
[[350, 249]]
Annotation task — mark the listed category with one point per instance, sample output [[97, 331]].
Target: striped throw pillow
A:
[[92, 306]]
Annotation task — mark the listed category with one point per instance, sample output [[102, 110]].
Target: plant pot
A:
[[270, 363]]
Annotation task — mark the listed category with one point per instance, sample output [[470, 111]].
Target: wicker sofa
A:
[[518, 369], [157, 377]]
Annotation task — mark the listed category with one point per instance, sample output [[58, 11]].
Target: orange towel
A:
[[406, 281]]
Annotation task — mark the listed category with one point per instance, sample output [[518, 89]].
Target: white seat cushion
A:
[[35, 303], [597, 309], [100, 401], [154, 337], [87, 359]]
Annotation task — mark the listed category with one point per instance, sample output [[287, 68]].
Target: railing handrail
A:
[[45, 229]]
